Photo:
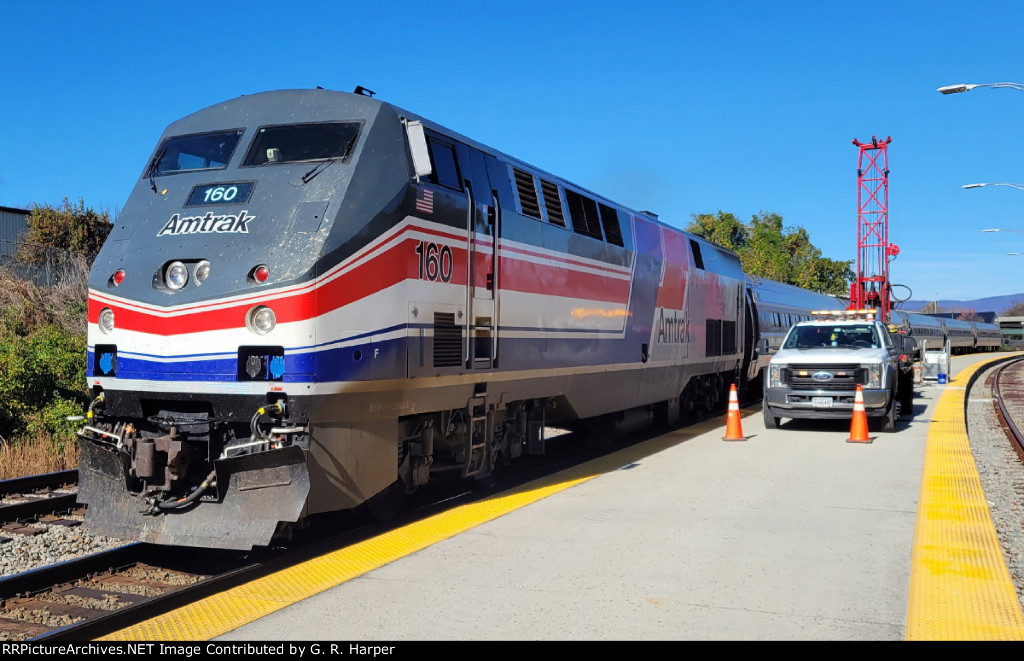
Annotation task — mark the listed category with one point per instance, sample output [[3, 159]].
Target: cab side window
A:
[[446, 171]]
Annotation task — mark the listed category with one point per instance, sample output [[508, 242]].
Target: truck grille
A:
[[841, 377]]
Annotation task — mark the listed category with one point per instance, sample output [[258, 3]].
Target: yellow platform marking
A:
[[223, 612], [960, 587]]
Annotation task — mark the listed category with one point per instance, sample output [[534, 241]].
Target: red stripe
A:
[[397, 264]]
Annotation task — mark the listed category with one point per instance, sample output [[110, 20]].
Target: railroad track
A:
[[43, 497], [90, 596], [1008, 394], [98, 594]]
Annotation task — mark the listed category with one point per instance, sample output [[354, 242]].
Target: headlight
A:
[[106, 320], [262, 320], [176, 276], [874, 376], [202, 271], [775, 376]]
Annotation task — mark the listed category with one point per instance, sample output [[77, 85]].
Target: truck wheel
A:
[[889, 421], [907, 397], [770, 421]]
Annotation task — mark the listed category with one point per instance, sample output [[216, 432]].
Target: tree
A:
[[56, 234], [1015, 310], [768, 249], [932, 307], [969, 314], [722, 228]]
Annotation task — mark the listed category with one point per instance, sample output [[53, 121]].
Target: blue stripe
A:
[[384, 360]]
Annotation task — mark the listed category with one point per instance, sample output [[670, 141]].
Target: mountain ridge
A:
[[997, 304]]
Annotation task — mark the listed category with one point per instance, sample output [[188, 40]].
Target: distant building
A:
[[1012, 329], [13, 225]]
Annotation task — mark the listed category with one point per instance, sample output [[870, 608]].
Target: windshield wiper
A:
[[152, 167], [317, 169]]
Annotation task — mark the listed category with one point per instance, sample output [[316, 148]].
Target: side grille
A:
[[610, 220], [447, 340], [728, 337], [713, 338], [583, 212], [527, 193], [552, 203]]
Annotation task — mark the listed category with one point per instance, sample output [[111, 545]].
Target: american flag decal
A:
[[425, 200]]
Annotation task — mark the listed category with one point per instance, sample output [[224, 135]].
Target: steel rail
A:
[[1015, 433]]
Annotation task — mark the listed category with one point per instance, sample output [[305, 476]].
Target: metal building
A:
[[1012, 329], [13, 225]]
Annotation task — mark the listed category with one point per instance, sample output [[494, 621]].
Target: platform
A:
[[791, 534]]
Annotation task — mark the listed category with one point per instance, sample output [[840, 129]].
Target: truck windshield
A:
[[861, 336]]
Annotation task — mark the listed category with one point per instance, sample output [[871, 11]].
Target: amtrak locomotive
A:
[[315, 301]]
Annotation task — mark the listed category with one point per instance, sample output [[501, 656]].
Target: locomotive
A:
[[315, 301]]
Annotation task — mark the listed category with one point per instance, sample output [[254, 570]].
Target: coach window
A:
[[446, 172]]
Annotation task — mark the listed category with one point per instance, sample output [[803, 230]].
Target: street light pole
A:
[[1017, 186], [956, 89], [1003, 230], [1006, 230]]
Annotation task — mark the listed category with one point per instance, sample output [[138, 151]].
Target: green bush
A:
[[41, 380]]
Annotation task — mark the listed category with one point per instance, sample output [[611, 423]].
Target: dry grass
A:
[[33, 456]]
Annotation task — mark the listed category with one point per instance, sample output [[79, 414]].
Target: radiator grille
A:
[[844, 377], [447, 340], [527, 193], [552, 203], [713, 338], [728, 337]]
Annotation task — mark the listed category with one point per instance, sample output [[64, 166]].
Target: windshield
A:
[[201, 151], [861, 336], [302, 142]]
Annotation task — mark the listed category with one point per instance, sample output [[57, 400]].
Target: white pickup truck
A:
[[816, 372]]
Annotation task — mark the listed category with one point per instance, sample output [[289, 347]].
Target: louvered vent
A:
[[583, 212], [527, 193], [447, 340], [713, 338], [728, 337], [610, 220], [552, 202]]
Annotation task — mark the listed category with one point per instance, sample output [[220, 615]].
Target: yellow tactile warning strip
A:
[[220, 613], [960, 587]]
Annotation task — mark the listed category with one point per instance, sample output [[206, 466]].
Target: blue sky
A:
[[677, 107]]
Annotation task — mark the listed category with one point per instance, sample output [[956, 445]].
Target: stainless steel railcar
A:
[[933, 332], [778, 306], [987, 337], [315, 301]]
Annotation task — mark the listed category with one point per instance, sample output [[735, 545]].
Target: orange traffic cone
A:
[[859, 424], [733, 428]]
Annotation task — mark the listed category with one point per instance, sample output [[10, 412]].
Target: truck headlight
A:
[[874, 376], [775, 376]]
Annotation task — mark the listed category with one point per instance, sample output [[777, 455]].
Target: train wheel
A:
[[687, 405], [386, 504]]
